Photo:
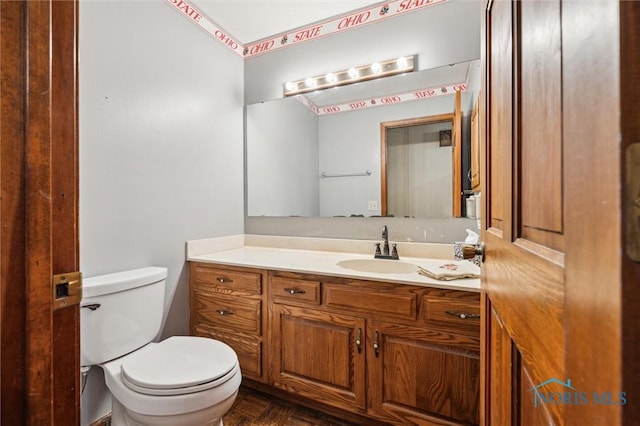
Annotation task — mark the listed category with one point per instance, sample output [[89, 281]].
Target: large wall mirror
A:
[[309, 161]]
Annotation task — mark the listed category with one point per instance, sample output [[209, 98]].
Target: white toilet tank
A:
[[120, 313]]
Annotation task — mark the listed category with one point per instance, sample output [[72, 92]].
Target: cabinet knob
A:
[[224, 312], [463, 315], [294, 291], [358, 340], [223, 280]]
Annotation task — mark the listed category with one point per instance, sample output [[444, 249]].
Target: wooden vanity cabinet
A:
[[398, 353], [227, 304]]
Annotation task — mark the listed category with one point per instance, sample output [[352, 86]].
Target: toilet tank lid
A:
[[120, 281]]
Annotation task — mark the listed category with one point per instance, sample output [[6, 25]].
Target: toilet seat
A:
[[179, 365], [166, 405]]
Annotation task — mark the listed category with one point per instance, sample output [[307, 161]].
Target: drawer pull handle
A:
[[294, 291], [223, 280], [376, 345], [462, 315], [224, 312], [358, 340]]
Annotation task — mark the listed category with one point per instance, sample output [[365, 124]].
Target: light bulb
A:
[[402, 62], [330, 77], [376, 68], [353, 73], [309, 82], [289, 86]]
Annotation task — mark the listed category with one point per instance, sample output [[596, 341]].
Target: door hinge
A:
[[67, 289]]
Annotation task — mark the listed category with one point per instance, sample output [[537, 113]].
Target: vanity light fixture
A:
[[352, 75]]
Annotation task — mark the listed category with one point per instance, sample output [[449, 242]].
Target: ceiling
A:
[[252, 20]]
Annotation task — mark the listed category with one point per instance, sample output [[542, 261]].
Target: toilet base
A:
[[210, 416]]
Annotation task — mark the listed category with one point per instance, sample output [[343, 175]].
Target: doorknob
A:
[[469, 251]]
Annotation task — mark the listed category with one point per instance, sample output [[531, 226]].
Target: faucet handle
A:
[[378, 252], [394, 251]]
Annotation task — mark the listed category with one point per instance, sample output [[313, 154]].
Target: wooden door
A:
[[419, 376], [475, 147], [455, 118], [554, 273], [456, 161], [38, 213], [316, 354], [405, 166]]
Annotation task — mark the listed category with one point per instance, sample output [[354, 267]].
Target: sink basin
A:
[[378, 266]]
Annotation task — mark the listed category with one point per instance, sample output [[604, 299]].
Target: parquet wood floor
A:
[[253, 408]]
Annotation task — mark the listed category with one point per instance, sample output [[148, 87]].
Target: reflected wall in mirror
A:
[[282, 159], [288, 146]]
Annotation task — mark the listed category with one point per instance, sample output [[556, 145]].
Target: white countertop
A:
[[321, 256]]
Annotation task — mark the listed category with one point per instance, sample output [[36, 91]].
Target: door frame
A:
[[40, 359]]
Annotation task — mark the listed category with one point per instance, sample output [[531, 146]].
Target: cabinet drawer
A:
[[249, 351], [227, 312], [225, 280], [401, 305], [452, 309], [289, 290]]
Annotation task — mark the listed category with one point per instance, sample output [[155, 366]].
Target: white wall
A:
[[443, 34], [282, 159], [161, 148]]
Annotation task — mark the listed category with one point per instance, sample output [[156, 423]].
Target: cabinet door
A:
[[316, 355], [421, 376]]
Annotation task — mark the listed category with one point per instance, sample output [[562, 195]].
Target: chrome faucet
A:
[[384, 253], [385, 237]]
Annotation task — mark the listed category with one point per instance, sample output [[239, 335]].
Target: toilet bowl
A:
[[180, 381]]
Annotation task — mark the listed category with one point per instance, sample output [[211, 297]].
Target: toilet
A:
[[183, 380]]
